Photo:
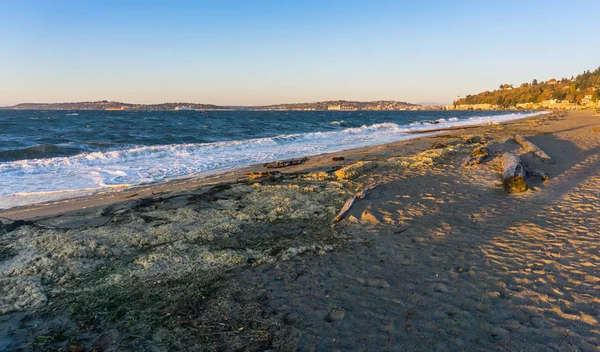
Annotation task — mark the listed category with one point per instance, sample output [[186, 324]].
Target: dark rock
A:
[[9, 226], [292, 319], [462, 269], [335, 314], [338, 158]]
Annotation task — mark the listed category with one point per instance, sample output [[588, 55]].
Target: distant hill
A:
[[114, 105], [344, 105], [323, 105], [581, 90]]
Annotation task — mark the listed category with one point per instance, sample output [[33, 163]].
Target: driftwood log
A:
[[530, 147], [514, 178], [477, 156], [536, 173], [350, 202], [285, 163]]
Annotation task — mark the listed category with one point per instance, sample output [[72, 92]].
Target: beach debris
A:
[[338, 158], [264, 174], [362, 194], [474, 140], [285, 163], [292, 319], [378, 283], [537, 173], [596, 129], [462, 269], [478, 155], [335, 314], [350, 202], [439, 287], [400, 229], [355, 170], [530, 147], [514, 177], [438, 145]]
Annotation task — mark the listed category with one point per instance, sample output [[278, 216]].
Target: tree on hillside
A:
[[586, 83]]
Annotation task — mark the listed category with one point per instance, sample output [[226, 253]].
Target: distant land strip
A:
[[334, 105]]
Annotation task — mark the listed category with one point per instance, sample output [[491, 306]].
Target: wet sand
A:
[[437, 257]]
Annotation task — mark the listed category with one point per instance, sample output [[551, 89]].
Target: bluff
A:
[[578, 92]]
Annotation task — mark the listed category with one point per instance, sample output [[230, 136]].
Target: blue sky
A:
[[259, 52]]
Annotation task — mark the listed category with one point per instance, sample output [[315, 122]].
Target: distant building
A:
[[334, 107]]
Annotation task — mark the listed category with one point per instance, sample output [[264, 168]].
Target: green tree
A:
[[534, 82]]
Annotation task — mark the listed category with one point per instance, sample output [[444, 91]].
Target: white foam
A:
[[31, 181]]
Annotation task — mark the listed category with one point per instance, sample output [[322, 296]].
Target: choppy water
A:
[[45, 153]]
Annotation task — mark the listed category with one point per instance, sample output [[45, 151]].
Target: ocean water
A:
[[49, 155]]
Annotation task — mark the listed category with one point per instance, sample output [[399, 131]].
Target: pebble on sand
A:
[[335, 314], [440, 288]]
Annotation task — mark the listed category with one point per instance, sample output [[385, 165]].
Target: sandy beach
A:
[[436, 257]]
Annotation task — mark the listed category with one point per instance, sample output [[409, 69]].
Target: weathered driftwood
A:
[[285, 163], [514, 178], [350, 202], [539, 173], [263, 174], [342, 214], [530, 147], [477, 156], [362, 194], [536, 173]]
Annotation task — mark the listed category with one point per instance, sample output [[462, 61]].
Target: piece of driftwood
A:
[[514, 178], [535, 173], [338, 158], [342, 214], [285, 163], [362, 194], [350, 202], [530, 147], [263, 174], [478, 155], [539, 173]]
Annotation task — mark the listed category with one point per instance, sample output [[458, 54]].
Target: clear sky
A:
[[258, 52]]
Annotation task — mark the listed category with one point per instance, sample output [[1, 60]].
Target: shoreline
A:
[[437, 256], [319, 162]]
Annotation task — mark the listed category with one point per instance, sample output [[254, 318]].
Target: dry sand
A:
[[437, 257]]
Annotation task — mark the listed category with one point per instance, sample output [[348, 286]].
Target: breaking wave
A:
[[146, 164]]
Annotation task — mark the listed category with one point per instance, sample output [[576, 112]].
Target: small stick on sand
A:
[[350, 202], [530, 147], [514, 178]]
